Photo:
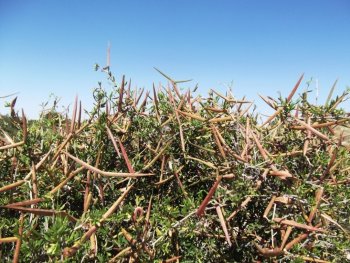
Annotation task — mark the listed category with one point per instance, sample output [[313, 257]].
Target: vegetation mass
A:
[[168, 176]]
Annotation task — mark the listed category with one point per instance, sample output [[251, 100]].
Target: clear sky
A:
[[260, 46]]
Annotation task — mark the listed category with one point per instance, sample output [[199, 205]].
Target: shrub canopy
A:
[[164, 175]]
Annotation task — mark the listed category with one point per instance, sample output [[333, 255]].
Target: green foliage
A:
[[185, 143]]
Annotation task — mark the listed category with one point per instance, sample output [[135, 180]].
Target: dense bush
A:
[[169, 176]]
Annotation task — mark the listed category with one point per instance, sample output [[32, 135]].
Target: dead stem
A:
[[104, 173], [19, 240]]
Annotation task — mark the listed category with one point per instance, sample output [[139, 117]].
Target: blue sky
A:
[[259, 46]]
